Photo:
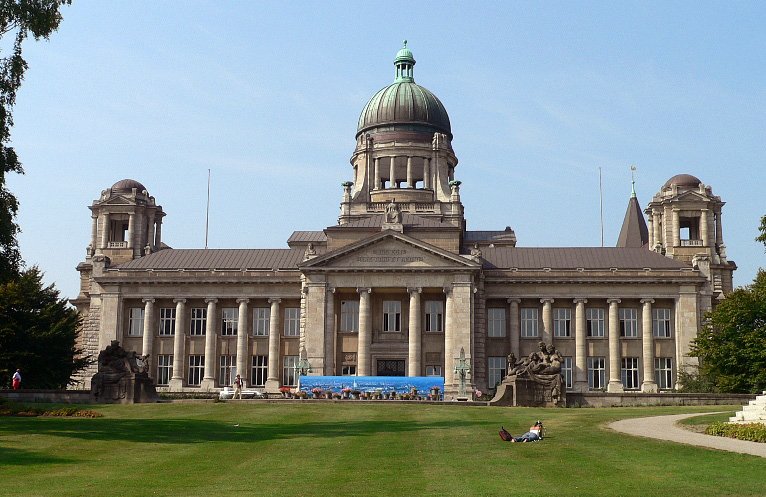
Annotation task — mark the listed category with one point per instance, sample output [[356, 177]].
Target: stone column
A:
[[676, 229], [615, 385], [365, 332], [515, 326], [413, 366], [150, 233], [242, 338], [449, 337], [376, 185], [131, 229], [426, 173], [208, 381], [718, 228], [392, 173], [158, 234], [581, 352], [703, 228], [179, 343], [94, 232], [547, 334], [409, 173], [272, 382], [657, 229], [105, 230], [648, 385], [148, 339]]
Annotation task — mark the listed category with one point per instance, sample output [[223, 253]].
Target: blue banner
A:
[[398, 384]]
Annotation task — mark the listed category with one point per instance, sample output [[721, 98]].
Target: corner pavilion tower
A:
[[399, 286]]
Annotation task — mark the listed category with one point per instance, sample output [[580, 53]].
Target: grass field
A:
[[357, 449]]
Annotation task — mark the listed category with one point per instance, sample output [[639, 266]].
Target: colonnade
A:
[[153, 233], [424, 172]]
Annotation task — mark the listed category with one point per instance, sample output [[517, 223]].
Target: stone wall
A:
[[659, 399]]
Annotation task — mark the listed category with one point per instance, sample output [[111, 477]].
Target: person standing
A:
[[237, 387], [17, 380]]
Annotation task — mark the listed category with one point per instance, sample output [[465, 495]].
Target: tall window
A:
[[562, 322], [628, 322], [228, 371], [596, 373], [496, 369], [261, 317], [566, 372], [392, 315], [288, 370], [661, 322], [629, 373], [663, 372], [167, 321], [529, 326], [292, 321], [434, 370], [196, 369], [434, 315], [495, 323], [198, 321], [594, 321], [164, 369], [349, 370], [136, 322], [260, 370], [229, 321], [349, 315]]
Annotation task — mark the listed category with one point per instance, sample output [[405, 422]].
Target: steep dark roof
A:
[[634, 232], [231, 259], [576, 257]]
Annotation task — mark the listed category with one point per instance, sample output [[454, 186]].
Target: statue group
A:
[[534, 381], [122, 377]]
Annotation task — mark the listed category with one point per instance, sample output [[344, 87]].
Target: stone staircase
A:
[[754, 412]]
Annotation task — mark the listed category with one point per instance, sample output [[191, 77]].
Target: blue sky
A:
[[267, 95]]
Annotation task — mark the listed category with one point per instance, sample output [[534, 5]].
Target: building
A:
[[399, 286]]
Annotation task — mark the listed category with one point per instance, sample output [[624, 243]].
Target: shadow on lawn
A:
[[18, 457], [184, 431]]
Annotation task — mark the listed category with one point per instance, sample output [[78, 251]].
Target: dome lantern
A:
[[404, 63]]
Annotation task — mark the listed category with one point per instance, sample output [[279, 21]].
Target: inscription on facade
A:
[[393, 256]]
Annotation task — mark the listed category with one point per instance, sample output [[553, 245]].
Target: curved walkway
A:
[[664, 428]]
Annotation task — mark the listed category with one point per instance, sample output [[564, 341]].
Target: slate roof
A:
[[634, 232], [576, 257], [307, 236], [223, 259]]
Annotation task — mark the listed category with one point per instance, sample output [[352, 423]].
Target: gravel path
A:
[[664, 428]]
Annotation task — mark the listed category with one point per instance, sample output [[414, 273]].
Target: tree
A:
[[38, 333], [762, 228], [21, 18], [732, 345]]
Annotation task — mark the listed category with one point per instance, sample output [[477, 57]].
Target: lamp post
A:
[[462, 368]]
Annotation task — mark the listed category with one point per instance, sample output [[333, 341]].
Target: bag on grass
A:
[[505, 435]]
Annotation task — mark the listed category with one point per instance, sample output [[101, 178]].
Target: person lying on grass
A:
[[534, 434]]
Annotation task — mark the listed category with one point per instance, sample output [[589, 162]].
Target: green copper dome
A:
[[404, 104]]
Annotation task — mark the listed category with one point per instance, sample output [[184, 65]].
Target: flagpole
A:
[[207, 210], [601, 205]]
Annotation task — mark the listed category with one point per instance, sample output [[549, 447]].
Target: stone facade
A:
[[399, 286]]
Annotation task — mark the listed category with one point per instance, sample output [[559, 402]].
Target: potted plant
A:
[[363, 395], [346, 392], [435, 392], [300, 394], [285, 391], [336, 396], [316, 392], [356, 394], [329, 394]]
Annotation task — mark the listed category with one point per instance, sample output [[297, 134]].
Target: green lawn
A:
[[357, 449]]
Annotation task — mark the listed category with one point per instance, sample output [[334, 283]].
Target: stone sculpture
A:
[[123, 377], [534, 381]]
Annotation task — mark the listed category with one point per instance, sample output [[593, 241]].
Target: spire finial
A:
[[405, 44], [633, 180]]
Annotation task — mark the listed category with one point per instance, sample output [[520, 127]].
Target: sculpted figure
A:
[[393, 215]]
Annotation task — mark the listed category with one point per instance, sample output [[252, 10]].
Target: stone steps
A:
[[753, 412]]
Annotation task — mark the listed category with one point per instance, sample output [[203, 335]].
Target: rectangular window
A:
[[566, 372], [260, 370], [434, 370], [292, 321], [663, 372], [136, 322], [228, 370], [529, 322], [289, 377], [562, 322], [348, 371], [594, 321], [167, 321], [596, 373], [495, 323], [392, 315], [629, 373], [434, 315], [661, 323], [349, 316], [164, 369], [496, 369], [196, 369], [198, 321], [261, 321], [229, 321], [628, 322]]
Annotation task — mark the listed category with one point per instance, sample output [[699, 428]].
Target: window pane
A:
[[260, 370], [392, 315], [228, 370], [529, 326], [229, 321], [136, 322], [496, 368], [496, 322], [167, 321], [629, 373], [349, 315], [594, 320], [164, 369], [292, 322], [434, 315], [661, 322], [596, 373], [562, 322], [198, 321], [628, 322], [288, 370], [261, 321]]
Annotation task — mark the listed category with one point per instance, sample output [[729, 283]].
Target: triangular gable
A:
[[389, 250], [117, 200], [692, 195]]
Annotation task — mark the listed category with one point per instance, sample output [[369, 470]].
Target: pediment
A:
[[692, 196], [117, 200], [390, 251]]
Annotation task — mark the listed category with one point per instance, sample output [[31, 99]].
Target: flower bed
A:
[[754, 432]]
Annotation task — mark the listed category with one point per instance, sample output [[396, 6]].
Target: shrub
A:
[[754, 432]]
